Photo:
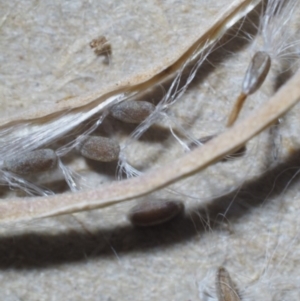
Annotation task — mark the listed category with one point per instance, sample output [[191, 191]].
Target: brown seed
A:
[[153, 212], [256, 73], [100, 149], [32, 162], [132, 111], [226, 289]]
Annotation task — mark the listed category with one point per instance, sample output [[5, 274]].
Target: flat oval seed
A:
[[153, 212], [100, 149], [226, 289], [256, 72], [132, 111], [32, 162]]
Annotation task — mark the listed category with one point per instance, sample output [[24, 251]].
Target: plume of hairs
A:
[[161, 112], [278, 44]]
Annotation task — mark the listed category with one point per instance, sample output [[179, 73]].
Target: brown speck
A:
[[101, 46]]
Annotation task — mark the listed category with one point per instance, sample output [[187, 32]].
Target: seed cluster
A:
[[105, 149], [97, 148]]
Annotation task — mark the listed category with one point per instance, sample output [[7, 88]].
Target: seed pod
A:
[[153, 212], [238, 153], [132, 111], [226, 289], [32, 162], [100, 149]]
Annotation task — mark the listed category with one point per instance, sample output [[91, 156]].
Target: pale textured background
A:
[[45, 57]]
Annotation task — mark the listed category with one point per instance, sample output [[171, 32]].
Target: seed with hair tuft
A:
[[256, 73]]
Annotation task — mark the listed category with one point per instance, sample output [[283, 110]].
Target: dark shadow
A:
[[282, 77], [108, 168]]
